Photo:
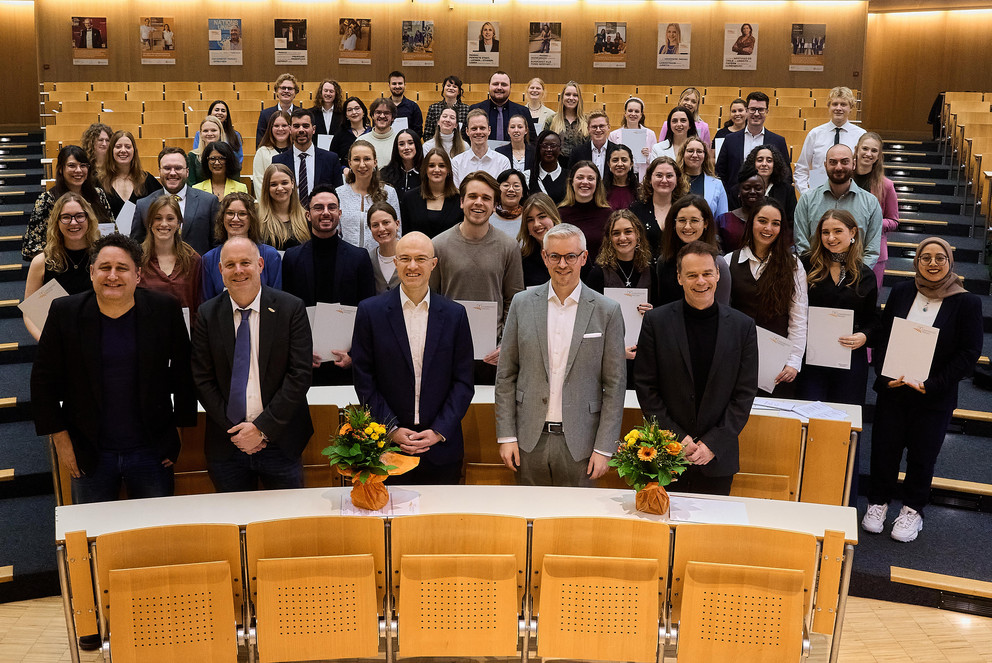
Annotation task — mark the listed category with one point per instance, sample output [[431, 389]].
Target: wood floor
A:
[[874, 632]]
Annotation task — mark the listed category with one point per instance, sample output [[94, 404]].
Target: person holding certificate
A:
[[911, 414]]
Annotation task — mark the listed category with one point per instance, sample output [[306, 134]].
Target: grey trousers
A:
[[551, 464]]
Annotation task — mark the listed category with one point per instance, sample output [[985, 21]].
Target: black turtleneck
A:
[[325, 258], [701, 329]]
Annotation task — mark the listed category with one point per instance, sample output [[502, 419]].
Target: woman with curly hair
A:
[[237, 217], [96, 142], [283, 221], [169, 264], [777, 176], [123, 178], [219, 162], [662, 185]]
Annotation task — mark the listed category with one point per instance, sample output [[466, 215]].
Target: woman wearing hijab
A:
[[914, 415]]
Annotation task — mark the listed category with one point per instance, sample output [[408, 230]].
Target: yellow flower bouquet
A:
[[649, 458]]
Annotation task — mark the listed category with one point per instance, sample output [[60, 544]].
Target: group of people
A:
[[403, 230]]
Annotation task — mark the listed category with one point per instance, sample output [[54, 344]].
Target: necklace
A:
[[926, 306], [75, 265], [627, 277]]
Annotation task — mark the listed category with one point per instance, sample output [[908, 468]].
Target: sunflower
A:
[[647, 453]]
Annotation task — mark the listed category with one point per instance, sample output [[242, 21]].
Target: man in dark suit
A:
[[405, 107], [252, 375], [199, 208], [328, 269], [112, 380], [89, 37], [737, 145], [696, 371], [287, 87], [598, 146], [499, 108], [412, 353], [311, 165]]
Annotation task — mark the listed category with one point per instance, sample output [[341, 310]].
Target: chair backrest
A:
[[773, 445], [173, 613], [312, 608], [599, 537], [828, 444], [599, 608], [318, 536], [737, 612], [742, 544]]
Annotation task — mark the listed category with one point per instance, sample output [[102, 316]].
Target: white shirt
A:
[[662, 149], [561, 323], [751, 142], [599, 157], [918, 315], [541, 174], [798, 309], [467, 162], [386, 266], [253, 396], [415, 317], [328, 116], [810, 171], [311, 166], [182, 194]]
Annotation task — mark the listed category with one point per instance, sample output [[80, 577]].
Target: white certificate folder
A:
[[826, 326], [910, 350], [773, 353]]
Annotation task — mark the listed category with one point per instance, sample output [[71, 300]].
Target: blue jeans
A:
[[141, 471], [242, 472]]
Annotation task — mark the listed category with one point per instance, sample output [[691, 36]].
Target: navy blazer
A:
[[328, 167], [529, 155], [198, 220], [583, 152], [732, 156], [263, 120], [353, 277], [959, 344], [383, 369], [510, 108]]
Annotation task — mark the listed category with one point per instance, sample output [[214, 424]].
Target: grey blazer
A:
[[381, 285], [595, 374]]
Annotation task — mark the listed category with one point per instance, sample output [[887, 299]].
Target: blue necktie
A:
[[237, 405]]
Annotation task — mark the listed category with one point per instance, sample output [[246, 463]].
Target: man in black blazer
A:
[[499, 107], [598, 145], [412, 353], [252, 377], [287, 88], [89, 37], [696, 371], [330, 270], [323, 167], [112, 380], [199, 208], [733, 152]]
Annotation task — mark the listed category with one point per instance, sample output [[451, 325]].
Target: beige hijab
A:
[[947, 286]]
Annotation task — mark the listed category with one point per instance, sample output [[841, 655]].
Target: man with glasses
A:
[[562, 353], [412, 353], [599, 144], [286, 87], [737, 145], [311, 165], [382, 111], [199, 208]]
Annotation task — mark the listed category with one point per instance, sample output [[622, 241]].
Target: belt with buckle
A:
[[553, 427]]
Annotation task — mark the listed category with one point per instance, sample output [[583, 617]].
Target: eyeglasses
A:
[[939, 259], [382, 113], [172, 169], [406, 260], [79, 217], [757, 111], [235, 215], [570, 258], [680, 221], [285, 88], [217, 159], [319, 209]]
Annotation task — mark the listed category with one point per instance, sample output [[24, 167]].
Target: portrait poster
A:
[[89, 40], [356, 41], [807, 46], [740, 46], [674, 45], [417, 43], [290, 40], [483, 43], [609, 50], [224, 41], [158, 41], [544, 45]]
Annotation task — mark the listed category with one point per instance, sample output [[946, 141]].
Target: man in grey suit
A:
[[562, 352], [696, 371], [199, 208]]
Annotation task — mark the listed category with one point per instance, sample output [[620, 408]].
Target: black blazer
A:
[[328, 167], [198, 221], [67, 371], [318, 122], [413, 211], [959, 344], [263, 120], [285, 357], [732, 156], [529, 155], [353, 277], [664, 383], [583, 152], [482, 46]]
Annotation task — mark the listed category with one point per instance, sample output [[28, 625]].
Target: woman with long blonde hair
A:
[[570, 120], [211, 130], [281, 216]]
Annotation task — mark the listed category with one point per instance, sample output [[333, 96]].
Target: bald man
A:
[[412, 359]]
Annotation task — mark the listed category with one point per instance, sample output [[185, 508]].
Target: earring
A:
[[852, 240]]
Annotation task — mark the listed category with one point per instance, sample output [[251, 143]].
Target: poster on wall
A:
[[224, 39], [356, 41], [740, 46], [674, 45], [291, 40], [89, 40], [158, 41], [609, 50], [417, 43], [544, 45], [483, 43], [807, 46]]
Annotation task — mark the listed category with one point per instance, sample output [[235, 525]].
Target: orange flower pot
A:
[[652, 499]]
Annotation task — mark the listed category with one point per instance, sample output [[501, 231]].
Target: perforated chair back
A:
[[312, 608], [599, 608], [743, 613], [173, 614]]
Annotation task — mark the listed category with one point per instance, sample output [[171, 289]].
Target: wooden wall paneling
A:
[[19, 103]]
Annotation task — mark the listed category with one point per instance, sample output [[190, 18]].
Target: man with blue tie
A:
[[311, 165], [252, 352], [412, 358]]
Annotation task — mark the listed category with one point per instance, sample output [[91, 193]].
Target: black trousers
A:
[[694, 481]]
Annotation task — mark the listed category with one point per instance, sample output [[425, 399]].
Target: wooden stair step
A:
[[944, 583]]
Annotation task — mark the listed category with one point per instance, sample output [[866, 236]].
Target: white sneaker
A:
[[874, 519], [907, 525]]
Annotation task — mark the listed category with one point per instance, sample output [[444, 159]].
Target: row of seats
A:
[[966, 129], [459, 585]]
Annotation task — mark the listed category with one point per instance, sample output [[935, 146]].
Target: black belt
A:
[[553, 427]]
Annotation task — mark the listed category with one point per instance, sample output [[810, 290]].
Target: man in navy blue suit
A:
[[737, 145], [311, 165], [412, 353], [328, 269]]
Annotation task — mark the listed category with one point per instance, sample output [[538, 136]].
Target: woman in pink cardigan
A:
[[869, 175]]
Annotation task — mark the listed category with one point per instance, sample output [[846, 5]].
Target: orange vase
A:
[[371, 495], [652, 499]]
